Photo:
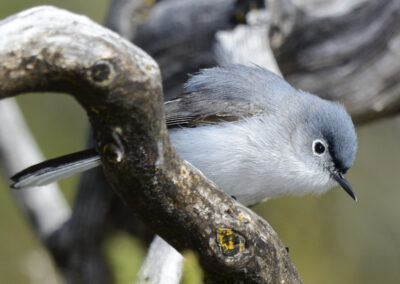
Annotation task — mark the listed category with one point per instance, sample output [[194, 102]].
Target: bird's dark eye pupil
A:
[[319, 148]]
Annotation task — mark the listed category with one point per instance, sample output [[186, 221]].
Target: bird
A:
[[249, 131]]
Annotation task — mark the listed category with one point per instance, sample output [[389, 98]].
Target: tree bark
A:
[[48, 49]]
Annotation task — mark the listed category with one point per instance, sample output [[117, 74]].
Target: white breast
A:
[[246, 161]]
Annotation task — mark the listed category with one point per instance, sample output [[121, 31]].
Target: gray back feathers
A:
[[226, 94]]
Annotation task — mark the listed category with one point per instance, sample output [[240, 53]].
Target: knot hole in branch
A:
[[101, 73], [230, 242]]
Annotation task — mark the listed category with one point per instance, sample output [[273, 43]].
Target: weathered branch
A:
[[186, 51], [18, 150], [161, 256], [350, 55], [247, 44], [47, 49]]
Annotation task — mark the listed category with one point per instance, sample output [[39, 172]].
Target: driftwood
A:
[[351, 56], [47, 49]]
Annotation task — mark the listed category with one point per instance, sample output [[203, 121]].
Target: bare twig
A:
[[45, 206]]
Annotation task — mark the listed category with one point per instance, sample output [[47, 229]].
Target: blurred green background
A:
[[331, 238]]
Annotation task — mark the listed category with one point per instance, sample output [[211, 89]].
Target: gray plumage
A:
[[257, 137]]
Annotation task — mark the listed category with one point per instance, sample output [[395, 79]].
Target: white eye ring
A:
[[319, 147]]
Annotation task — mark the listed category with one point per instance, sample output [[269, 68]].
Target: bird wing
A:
[[227, 93], [193, 110]]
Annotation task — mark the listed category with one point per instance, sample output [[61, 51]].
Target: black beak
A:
[[339, 177]]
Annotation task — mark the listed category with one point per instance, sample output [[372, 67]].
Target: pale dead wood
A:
[[45, 206], [351, 55]]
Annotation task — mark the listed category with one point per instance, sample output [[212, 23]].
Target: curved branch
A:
[[45, 49], [350, 56]]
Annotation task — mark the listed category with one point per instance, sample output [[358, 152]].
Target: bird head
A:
[[330, 143]]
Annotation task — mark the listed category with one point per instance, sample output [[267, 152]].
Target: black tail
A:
[[55, 169]]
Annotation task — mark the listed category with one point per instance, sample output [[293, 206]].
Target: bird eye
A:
[[318, 147]]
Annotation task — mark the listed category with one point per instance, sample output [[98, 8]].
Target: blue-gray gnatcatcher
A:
[[247, 130]]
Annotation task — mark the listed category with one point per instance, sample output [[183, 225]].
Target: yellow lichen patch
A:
[[148, 67], [230, 242], [196, 177], [240, 218]]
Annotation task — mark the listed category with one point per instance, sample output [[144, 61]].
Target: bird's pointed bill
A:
[[340, 179]]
